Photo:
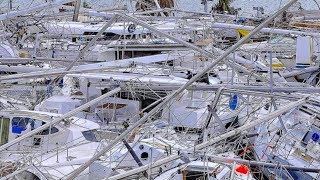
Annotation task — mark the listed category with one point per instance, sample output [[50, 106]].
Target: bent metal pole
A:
[[76, 172], [181, 41]]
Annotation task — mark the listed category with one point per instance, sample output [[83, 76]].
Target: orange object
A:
[[243, 169]]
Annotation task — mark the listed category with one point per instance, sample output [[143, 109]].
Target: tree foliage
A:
[[223, 6]]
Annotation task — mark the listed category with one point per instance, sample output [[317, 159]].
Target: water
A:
[[245, 5], [191, 5]]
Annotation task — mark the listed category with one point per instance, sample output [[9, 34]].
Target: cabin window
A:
[[308, 136], [144, 155], [111, 36], [91, 135], [47, 131], [90, 33], [53, 111], [21, 121], [20, 124], [29, 175], [106, 35], [141, 147], [37, 140]]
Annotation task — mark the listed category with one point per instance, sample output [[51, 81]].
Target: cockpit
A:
[[72, 131]]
